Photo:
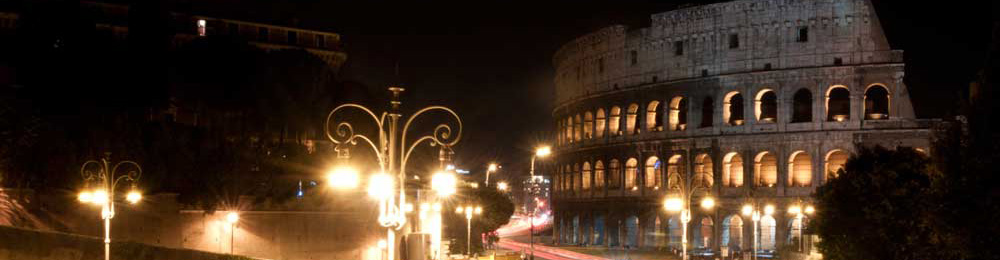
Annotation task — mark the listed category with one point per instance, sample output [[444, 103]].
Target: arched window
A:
[[838, 104], [767, 233], [602, 122], [631, 170], [577, 183], [599, 174], [586, 176], [614, 174], [703, 235], [765, 170], [674, 231], [732, 170], [567, 179], [577, 127], [675, 173], [615, 121], [732, 108], [707, 112], [631, 119], [802, 106], [703, 175], [877, 102], [800, 169], [835, 161], [678, 113], [795, 231], [766, 106], [732, 232], [569, 129], [654, 122], [588, 125], [653, 172]]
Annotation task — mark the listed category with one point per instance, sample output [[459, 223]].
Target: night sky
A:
[[491, 61]]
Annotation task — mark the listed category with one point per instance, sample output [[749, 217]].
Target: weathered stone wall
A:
[[25, 244], [295, 230]]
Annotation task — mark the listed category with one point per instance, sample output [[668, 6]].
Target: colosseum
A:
[[746, 102]]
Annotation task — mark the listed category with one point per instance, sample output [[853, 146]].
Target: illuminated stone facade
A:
[[749, 101]]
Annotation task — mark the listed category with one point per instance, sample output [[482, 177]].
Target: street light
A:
[[502, 186], [540, 152], [107, 177], [392, 149], [755, 215], [799, 213], [343, 177], [677, 204], [469, 210], [232, 218], [490, 169]]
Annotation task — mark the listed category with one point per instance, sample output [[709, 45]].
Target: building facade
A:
[[747, 102]]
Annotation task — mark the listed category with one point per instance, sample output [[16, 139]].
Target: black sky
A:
[[491, 61]]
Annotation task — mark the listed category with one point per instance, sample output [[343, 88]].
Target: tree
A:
[[497, 209], [877, 206]]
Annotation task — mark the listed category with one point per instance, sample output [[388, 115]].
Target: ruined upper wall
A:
[[698, 42]]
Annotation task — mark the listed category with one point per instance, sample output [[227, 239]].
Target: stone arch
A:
[[675, 173], [732, 170], [632, 231], [678, 113], [599, 174], [588, 125], [802, 106], [766, 106], [765, 169], [614, 174], [834, 162], [615, 121], [876, 103], [653, 172], [585, 176], [631, 172], [838, 103], [674, 232], [732, 108], [569, 129], [654, 122], [800, 169], [703, 174], [577, 127], [577, 183], [768, 232], [796, 225], [707, 112], [601, 123], [732, 232], [703, 234], [631, 119]]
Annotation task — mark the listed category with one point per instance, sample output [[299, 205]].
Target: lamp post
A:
[[490, 169], [106, 177], [682, 205], [751, 210], [542, 152], [232, 218], [469, 211], [799, 213], [392, 150]]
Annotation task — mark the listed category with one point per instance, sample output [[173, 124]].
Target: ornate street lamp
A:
[[682, 205], [540, 152], [392, 149], [106, 177]]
